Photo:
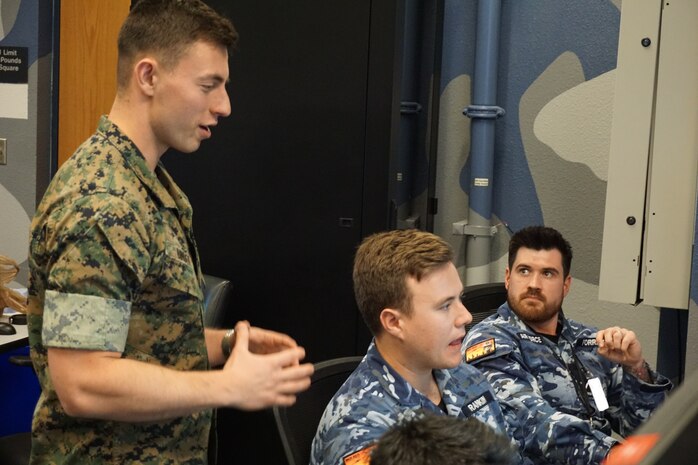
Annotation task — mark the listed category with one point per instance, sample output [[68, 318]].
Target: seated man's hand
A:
[[622, 346]]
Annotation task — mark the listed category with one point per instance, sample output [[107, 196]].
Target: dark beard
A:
[[531, 314]]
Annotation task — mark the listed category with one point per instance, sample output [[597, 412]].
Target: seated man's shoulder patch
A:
[[480, 349], [360, 457]]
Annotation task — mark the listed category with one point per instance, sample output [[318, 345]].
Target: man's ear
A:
[[507, 276], [391, 320], [566, 285], [145, 75]]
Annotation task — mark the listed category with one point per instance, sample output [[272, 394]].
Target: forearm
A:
[[112, 388], [540, 429], [635, 399], [564, 438], [99, 384], [560, 438], [639, 370]]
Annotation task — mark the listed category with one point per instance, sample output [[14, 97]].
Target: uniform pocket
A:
[[178, 271]]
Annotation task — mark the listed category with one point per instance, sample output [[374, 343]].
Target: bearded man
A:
[[564, 387]]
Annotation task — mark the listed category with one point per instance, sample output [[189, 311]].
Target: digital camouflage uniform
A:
[[552, 419], [375, 396], [114, 267]]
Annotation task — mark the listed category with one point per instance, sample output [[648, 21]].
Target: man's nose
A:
[[534, 281], [464, 316], [221, 107]]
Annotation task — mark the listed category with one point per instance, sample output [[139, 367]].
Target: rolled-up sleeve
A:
[[85, 322], [101, 259]]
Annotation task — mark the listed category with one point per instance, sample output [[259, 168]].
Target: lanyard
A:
[[580, 376]]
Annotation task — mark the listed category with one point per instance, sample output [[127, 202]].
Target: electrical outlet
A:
[[3, 151]]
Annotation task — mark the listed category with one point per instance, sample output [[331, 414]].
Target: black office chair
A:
[[217, 295], [297, 424], [483, 300], [15, 449]]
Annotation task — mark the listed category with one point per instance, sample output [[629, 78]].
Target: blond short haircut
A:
[[382, 264]]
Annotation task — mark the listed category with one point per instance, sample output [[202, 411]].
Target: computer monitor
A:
[[669, 435]]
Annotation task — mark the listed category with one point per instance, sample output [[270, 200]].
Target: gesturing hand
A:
[[621, 346], [264, 341], [260, 380]]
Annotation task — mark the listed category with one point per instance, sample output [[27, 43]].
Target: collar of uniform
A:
[[512, 318], [571, 329], [136, 161], [176, 195], [404, 392]]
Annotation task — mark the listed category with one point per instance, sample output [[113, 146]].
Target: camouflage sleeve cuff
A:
[[660, 383], [75, 321], [604, 448]]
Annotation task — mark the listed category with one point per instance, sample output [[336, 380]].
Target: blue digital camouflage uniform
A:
[[534, 381], [375, 396], [114, 267]]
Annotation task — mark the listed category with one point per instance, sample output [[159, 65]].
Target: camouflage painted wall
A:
[[557, 61], [25, 23]]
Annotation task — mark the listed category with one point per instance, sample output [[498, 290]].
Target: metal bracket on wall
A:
[[410, 108], [462, 228], [413, 222], [484, 111]]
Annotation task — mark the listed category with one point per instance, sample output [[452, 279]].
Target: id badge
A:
[[594, 384]]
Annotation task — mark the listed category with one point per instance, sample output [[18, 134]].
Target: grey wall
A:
[[25, 23], [557, 62], [556, 83]]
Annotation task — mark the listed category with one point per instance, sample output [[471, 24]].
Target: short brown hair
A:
[[382, 264], [541, 238], [167, 28]]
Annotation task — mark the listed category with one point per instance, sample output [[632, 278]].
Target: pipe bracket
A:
[[484, 111], [462, 228], [410, 108]]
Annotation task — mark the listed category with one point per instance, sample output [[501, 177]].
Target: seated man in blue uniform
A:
[[408, 292], [564, 387]]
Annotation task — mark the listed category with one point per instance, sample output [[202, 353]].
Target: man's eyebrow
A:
[[215, 77], [450, 299]]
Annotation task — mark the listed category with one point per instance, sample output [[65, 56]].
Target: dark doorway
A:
[[280, 191], [296, 176]]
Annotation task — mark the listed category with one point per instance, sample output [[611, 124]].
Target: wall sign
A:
[[14, 82], [14, 66]]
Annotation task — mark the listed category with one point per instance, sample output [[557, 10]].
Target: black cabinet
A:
[[298, 174], [290, 182]]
